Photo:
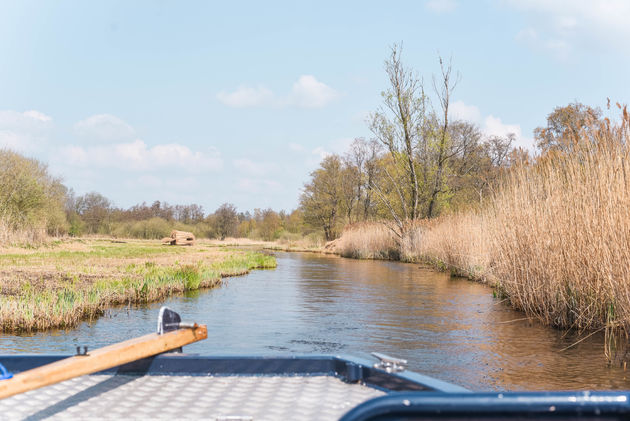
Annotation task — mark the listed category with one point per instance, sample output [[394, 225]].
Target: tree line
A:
[[34, 204]]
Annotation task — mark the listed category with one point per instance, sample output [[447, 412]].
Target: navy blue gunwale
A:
[[348, 369], [595, 405]]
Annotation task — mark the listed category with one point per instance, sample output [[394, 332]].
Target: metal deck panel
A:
[[189, 397]]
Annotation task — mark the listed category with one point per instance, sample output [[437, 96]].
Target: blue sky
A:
[[210, 102]]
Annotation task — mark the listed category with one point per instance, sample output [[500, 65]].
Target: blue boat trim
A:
[[348, 369], [4, 373], [487, 406]]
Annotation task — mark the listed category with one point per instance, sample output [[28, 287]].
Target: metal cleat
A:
[[389, 364]]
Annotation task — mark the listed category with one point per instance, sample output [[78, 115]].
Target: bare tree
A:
[[413, 177], [398, 125], [444, 89], [363, 155]]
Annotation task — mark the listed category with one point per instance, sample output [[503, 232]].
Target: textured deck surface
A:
[[189, 397]]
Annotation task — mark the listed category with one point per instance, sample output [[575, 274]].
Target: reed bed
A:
[[555, 239], [561, 240], [21, 236], [459, 243], [62, 285], [368, 240]]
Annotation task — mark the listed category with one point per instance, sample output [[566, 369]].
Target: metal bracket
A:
[[85, 351], [389, 364]]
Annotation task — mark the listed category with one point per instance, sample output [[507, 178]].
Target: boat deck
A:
[[180, 386], [190, 397]]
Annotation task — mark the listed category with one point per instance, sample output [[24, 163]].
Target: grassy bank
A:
[[65, 282], [554, 239]]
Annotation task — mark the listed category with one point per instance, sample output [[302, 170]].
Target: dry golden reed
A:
[[561, 235], [555, 239], [368, 240], [458, 242]]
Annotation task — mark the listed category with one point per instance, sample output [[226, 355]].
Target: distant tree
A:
[[270, 225], [245, 228], [225, 220], [95, 211], [566, 125], [30, 198], [474, 161], [188, 214], [320, 202], [294, 222]]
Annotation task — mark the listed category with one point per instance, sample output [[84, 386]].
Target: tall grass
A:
[[555, 239], [368, 240], [561, 235], [460, 243]]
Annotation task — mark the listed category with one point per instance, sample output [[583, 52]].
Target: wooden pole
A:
[[100, 359]]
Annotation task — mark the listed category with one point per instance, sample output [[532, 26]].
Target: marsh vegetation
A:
[[552, 237], [69, 281]]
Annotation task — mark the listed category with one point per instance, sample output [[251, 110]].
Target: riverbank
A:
[[553, 240], [64, 282]]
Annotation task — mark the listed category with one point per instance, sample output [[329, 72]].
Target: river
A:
[[448, 328]]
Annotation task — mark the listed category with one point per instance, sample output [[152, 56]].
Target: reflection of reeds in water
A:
[[555, 240]]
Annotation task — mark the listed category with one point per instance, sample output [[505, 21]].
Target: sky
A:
[[213, 102]]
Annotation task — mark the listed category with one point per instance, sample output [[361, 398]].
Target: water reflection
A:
[[446, 327]]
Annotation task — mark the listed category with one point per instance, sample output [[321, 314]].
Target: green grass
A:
[[85, 282]]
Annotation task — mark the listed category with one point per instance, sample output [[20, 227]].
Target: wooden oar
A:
[[102, 359]]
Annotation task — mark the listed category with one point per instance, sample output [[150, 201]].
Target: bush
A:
[[31, 200]]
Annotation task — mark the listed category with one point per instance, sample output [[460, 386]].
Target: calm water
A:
[[448, 328]]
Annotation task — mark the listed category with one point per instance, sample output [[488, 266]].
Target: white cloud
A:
[[460, 111], [490, 125], [15, 141], [23, 131], [493, 126], [245, 96], [307, 92], [556, 46], [150, 181], [321, 152], [296, 147], [250, 185], [561, 26], [254, 168], [28, 120], [36, 115], [313, 157], [105, 127], [138, 156], [441, 6], [165, 187]]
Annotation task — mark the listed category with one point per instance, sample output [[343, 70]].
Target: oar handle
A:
[[101, 359]]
